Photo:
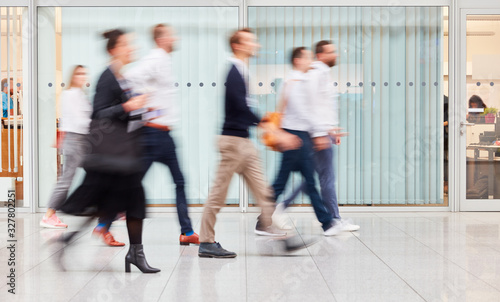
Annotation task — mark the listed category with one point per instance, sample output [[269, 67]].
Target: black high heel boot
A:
[[136, 256]]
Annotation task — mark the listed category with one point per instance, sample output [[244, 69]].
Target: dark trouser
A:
[[326, 171], [302, 160], [160, 147]]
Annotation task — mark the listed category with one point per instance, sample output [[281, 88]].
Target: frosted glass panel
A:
[[71, 35], [390, 76]]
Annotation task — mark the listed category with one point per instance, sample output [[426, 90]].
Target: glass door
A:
[[479, 98]]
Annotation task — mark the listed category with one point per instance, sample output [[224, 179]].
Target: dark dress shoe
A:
[[296, 242], [136, 256], [214, 250]]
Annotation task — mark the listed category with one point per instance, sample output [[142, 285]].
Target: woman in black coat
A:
[[113, 166]]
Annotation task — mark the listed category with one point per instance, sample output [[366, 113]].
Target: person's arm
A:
[[142, 73], [321, 124], [82, 115], [108, 90], [318, 127], [282, 95], [4, 105], [235, 91], [103, 99], [285, 140]]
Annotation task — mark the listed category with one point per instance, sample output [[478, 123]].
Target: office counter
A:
[[478, 165], [7, 158]]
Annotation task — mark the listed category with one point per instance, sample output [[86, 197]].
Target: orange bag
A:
[[269, 139]]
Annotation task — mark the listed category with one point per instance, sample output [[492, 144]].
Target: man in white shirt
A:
[[153, 75], [298, 120], [324, 98]]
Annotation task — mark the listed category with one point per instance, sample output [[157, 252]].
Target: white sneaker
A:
[[280, 218], [269, 231], [334, 230], [347, 226]]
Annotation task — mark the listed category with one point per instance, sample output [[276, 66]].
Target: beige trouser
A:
[[238, 155]]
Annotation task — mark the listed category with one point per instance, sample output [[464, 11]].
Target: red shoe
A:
[[107, 237], [110, 240], [186, 240]]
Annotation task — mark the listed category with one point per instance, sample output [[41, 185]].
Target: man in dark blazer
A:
[[238, 153]]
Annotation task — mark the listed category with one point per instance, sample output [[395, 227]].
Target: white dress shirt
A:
[[297, 114], [153, 75], [75, 111], [324, 99]]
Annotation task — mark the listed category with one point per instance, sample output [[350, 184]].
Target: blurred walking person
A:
[[113, 166], [298, 119], [154, 73], [238, 154], [7, 103], [324, 100], [75, 120]]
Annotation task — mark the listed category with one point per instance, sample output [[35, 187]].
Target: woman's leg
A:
[[134, 228]]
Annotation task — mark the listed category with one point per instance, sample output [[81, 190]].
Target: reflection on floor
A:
[[394, 257]]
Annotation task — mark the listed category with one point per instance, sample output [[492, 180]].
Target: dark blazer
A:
[[238, 116], [112, 149]]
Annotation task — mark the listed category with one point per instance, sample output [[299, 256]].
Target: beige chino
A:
[[238, 155]]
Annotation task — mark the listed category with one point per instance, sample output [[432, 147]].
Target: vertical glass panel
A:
[[483, 102], [70, 36], [392, 85], [14, 77]]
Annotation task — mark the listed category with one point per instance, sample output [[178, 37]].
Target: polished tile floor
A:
[[394, 257]]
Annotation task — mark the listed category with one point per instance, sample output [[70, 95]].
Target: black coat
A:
[[111, 148], [113, 164]]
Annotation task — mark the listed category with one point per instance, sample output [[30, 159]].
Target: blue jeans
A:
[[325, 167], [160, 147], [302, 160]]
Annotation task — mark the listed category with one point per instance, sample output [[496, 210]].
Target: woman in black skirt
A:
[[113, 166]]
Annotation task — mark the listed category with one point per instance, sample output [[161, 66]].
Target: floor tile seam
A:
[[389, 267], [315, 263], [454, 231], [448, 259], [473, 238], [46, 259], [172, 273], [459, 233], [93, 277]]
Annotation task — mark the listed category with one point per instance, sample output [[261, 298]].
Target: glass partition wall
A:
[[391, 76], [70, 36], [391, 91]]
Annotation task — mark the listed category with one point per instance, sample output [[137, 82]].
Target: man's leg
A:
[[170, 159], [323, 213], [252, 173], [289, 159], [324, 167], [301, 188], [230, 161]]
